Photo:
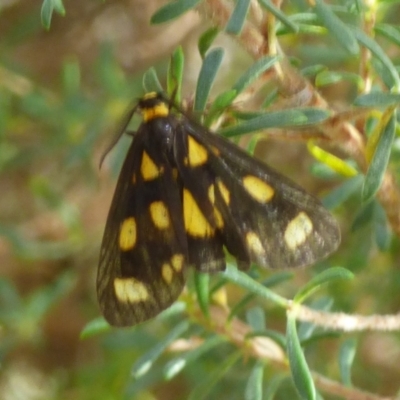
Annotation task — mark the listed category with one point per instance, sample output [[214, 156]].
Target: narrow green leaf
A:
[[298, 365], [95, 327], [383, 233], [258, 68], [323, 278], [255, 317], [203, 390], [236, 21], [145, 362], [201, 282], [206, 40], [347, 353], [175, 74], [177, 308], [271, 281], [172, 10], [343, 192], [379, 162], [295, 117], [363, 216], [207, 75], [290, 25], [389, 32], [380, 54], [46, 12], [336, 27], [151, 82], [329, 77], [234, 275], [269, 333], [175, 366], [273, 386], [254, 387], [377, 99]]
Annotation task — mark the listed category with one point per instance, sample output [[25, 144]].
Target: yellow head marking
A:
[[224, 192], [254, 243], [148, 168], [157, 111], [159, 214], [258, 189], [127, 234], [167, 273], [130, 290], [297, 230], [177, 262], [197, 153], [195, 222]]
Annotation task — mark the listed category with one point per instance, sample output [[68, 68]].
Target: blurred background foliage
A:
[[62, 94]]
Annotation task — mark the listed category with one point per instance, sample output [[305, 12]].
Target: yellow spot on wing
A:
[[217, 214], [130, 290], [254, 243], [177, 262], [167, 273], [224, 192], [197, 153], [195, 222], [297, 230], [159, 214], [258, 189], [148, 168], [127, 234]]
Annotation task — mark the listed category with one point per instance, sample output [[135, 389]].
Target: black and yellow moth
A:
[[183, 196]]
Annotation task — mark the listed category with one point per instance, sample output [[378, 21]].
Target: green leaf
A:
[[151, 82], [258, 68], [206, 40], [95, 327], [290, 25], [172, 10], [145, 362], [255, 317], [383, 233], [380, 54], [201, 282], [363, 216], [175, 366], [379, 162], [343, 192], [389, 32], [207, 75], [219, 105], [273, 386], [254, 387], [322, 278], [347, 353], [336, 27], [203, 389], [295, 117], [377, 99], [269, 333], [329, 77], [46, 12], [234, 275], [238, 17], [300, 373], [175, 74]]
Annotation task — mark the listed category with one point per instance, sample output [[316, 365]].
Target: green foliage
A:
[[226, 337]]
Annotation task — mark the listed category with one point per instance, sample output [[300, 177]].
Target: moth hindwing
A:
[[183, 195]]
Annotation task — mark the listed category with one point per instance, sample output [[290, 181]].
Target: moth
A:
[[185, 196]]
